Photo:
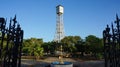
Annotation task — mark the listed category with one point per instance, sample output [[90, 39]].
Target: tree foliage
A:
[[49, 47], [71, 44], [80, 46], [94, 43], [33, 47]]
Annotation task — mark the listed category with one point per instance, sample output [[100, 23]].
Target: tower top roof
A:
[[59, 5]]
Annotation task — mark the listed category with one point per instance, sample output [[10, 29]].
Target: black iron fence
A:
[[11, 39], [111, 38]]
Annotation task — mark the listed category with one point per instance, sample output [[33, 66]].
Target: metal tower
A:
[[59, 24]]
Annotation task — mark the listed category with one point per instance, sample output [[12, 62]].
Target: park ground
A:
[[47, 61]]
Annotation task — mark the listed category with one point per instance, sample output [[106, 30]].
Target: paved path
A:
[[47, 61]]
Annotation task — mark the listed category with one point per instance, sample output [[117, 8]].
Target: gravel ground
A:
[[46, 62]]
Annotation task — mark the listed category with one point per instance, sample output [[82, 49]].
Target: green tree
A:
[[38, 52], [94, 44], [80, 47], [46, 47], [33, 47], [69, 43], [49, 47]]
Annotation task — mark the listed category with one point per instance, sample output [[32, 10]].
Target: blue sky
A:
[[81, 17]]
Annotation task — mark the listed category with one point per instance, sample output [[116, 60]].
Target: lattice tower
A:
[[59, 24]]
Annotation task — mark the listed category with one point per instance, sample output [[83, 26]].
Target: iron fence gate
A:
[[11, 39], [111, 38]]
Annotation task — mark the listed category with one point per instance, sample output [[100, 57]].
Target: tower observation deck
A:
[[59, 34]]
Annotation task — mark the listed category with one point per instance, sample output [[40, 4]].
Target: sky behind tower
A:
[[81, 17]]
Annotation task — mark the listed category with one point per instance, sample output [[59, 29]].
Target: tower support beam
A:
[[59, 24]]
